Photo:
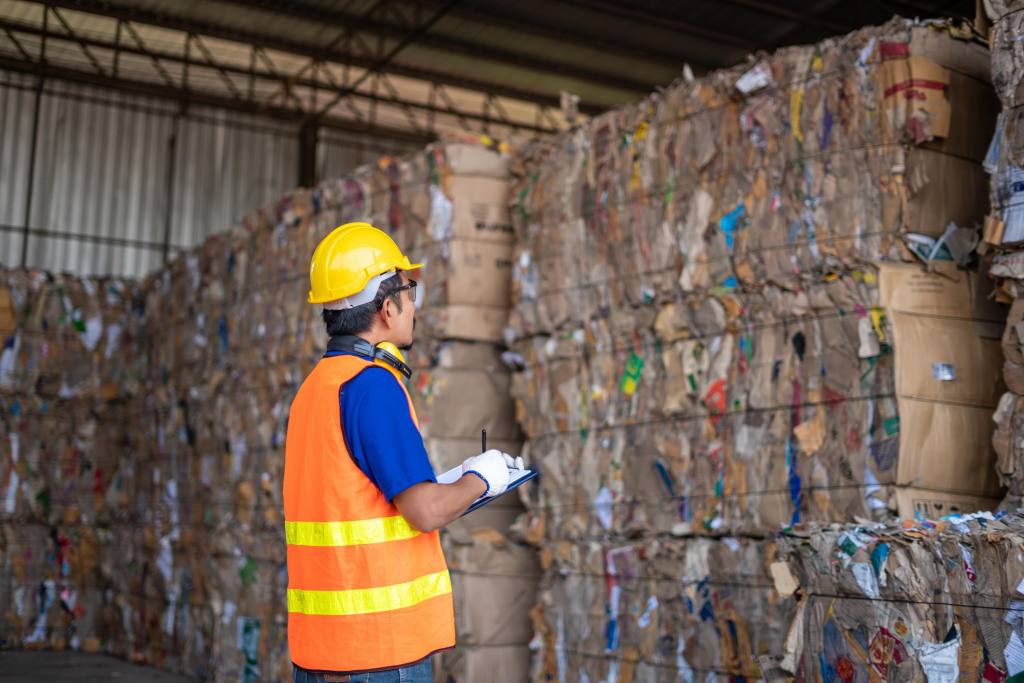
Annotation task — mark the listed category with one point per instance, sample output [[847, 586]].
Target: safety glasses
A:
[[415, 294]]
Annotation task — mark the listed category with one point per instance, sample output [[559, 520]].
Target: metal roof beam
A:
[[223, 69], [81, 43], [177, 94], [268, 41], [448, 44], [385, 58]]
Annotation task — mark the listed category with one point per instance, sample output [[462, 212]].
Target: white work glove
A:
[[492, 467]]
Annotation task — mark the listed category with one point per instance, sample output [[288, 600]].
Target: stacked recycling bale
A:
[[935, 601], [1004, 232], [448, 207], [68, 370], [227, 349], [717, 336], [230, 339], [928, 601]]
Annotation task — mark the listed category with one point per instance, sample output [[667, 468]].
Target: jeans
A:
[[421, 672]]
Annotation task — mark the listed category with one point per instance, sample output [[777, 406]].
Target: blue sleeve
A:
[[381, 434]]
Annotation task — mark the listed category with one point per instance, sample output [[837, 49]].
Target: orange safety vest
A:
[[366, 590]]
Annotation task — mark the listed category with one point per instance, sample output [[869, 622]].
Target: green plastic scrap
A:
[[631, 375], [248, 571]]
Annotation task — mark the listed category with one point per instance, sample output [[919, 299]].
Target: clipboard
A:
[[516, 479]]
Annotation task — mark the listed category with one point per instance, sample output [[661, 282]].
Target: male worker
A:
[[369, 595]]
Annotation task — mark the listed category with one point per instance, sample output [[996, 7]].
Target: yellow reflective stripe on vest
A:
[[360, 532], [369, 600]]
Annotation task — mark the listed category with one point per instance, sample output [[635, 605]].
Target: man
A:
[[369, 594]]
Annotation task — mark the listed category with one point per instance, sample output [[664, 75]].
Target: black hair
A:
[[360, 319]]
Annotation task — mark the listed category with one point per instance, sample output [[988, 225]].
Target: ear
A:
[[388, 313]]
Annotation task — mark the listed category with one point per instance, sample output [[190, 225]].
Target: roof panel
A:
[[528, 52]]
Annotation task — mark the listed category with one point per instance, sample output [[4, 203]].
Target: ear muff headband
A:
[[390, 359], [361, 347]]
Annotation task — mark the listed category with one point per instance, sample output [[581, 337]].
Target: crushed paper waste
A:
[[143, 424], [745, 302], [921, 601]]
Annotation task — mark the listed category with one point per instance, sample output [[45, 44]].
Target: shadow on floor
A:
[[59, 667]]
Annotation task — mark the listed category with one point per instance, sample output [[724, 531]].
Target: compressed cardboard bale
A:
[[675, 607], [494, 583], [922, 598], [704, 343], [453, 215], [142, 425], [459, 402], [1004, 232], [467, 273], [509, 662], [802, 373]]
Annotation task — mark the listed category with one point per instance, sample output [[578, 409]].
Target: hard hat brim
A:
[[313, 300]]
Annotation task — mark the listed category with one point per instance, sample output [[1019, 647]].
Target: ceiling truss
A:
[[350, 83]]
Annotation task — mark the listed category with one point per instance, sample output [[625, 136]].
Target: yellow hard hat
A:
[[350, 257]]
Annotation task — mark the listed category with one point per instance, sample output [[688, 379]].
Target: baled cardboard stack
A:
[[1004, 232], [246, 341], [68, 368], [170, 549], [932, 600], [449, 208], [926, 601], [724, 324]]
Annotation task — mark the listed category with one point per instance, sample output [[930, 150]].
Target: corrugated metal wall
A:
[[117, 176], [339, 152], [100, 171], [16, 105], [226, 166]]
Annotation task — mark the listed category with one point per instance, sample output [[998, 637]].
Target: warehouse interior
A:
[[738, 279]]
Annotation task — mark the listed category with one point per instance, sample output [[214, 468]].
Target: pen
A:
[[483, 440]]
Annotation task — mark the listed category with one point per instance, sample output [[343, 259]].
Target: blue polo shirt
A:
[[380, 432]]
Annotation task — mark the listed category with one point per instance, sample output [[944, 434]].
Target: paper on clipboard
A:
[[517, 477]]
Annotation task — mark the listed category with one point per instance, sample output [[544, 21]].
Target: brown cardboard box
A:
[[914, 96], [955, 187], [947, 447], [929, 349], [912, 503], [471, 323], [495, 584], [458, 403], [947, 381], [485, 663], [951, 189], [7, 319], [973, 104], [460, 354], [468, 272], [480, 208]]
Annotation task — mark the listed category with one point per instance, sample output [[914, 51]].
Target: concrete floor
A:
[[64, 667]]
